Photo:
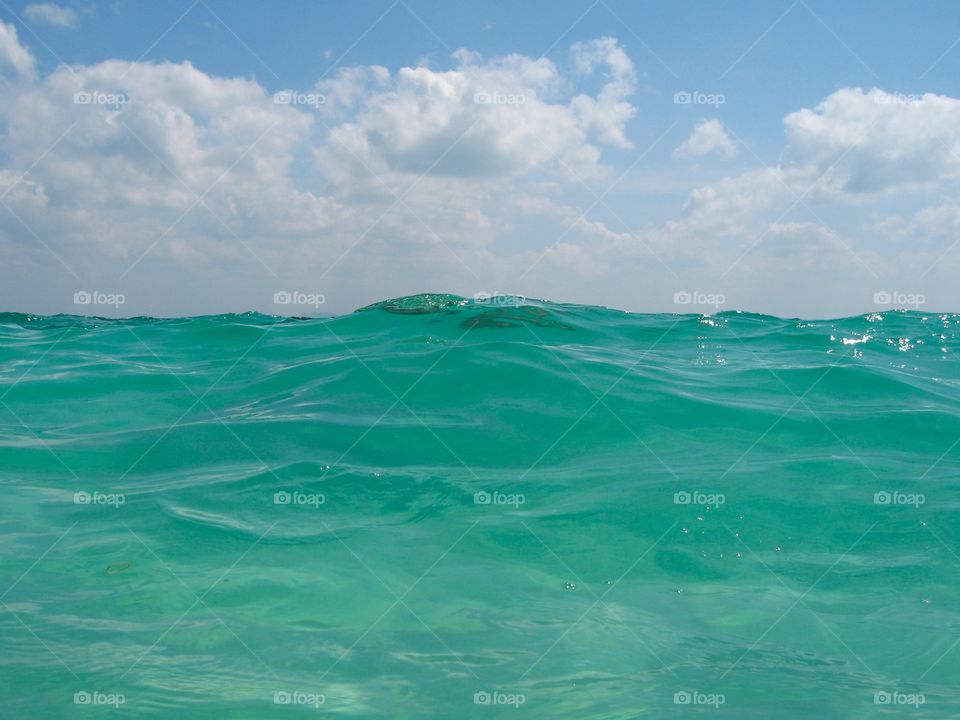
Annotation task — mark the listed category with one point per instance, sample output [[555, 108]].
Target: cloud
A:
[[483, 118], [707, 137], [149, 169], [191, 192], [827, 206], [13, 55], [855, 149], [51, 14], [608, 113], [868, 143]]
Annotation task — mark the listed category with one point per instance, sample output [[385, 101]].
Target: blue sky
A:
[[813, 171], [720, 46]]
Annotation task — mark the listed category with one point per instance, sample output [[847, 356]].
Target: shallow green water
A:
[[480, 498]]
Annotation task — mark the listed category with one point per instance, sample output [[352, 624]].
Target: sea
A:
[[439, 507]]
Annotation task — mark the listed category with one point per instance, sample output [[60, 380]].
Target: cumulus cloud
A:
[[51, 14], [13, 55], [608, 113], [855, 149], [149, 166], [205, 193], [824, 210], [869, 142], [709, 136], [483, 118]]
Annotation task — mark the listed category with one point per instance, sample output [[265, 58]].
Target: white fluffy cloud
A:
[[864, 143], [51, 14], [709, 136], [144, 167], [197, 193], [482, 119], [13, 55], [819, 222], [608, 113]]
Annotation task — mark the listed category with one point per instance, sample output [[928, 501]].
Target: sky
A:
[[797, 158]]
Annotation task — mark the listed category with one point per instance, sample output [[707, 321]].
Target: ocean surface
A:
[[442, 508]]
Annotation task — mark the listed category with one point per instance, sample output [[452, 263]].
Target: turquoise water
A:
[[440, 508]]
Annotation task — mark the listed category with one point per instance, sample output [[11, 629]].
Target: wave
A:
[[498, 465]]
